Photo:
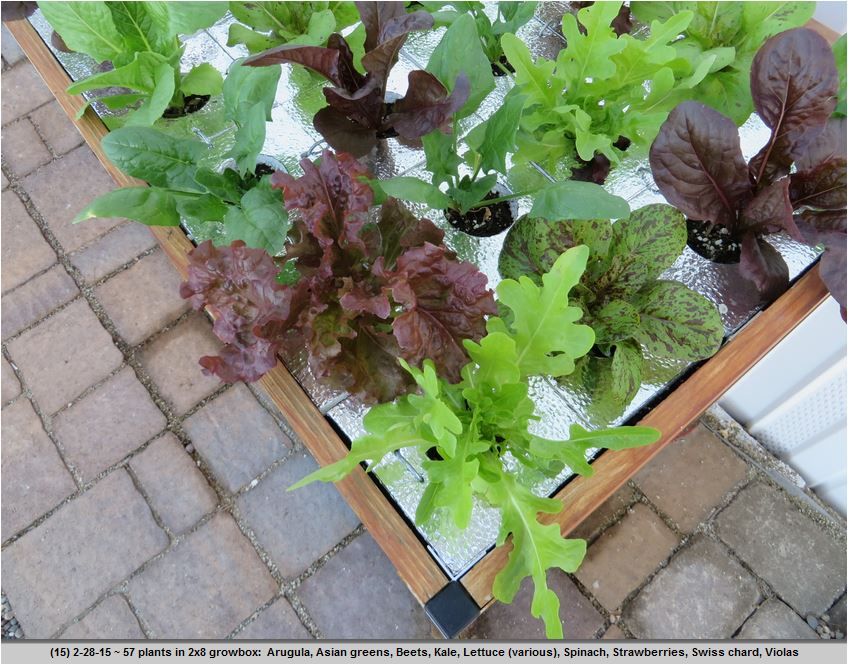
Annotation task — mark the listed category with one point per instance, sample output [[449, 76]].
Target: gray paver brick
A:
[[837, 615], [236, 437], [205, 587], [34, 477], [177, 490], [24, 250], [59, 192], [360, 576], [23, 149], [63, 355], [702, 594], [36, 299], [4, 182], [171, 360], [56, 129], [614, 633], [277, 622], [112, 619], [775, 621], [52, 573], [580, 620], [108, 424], [278, 517], [799, 559], [625, 554], [11, 387], [11, 52], [605, 514], [691, 476], [23, 91], [113, 250], [143, 298]]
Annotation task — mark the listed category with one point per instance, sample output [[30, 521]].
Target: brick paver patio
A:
[[143, 499]]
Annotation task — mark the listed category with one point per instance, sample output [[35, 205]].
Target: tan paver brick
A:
[[205, 587], [54, 572], [24, 250], [23, 91], [691, 476], [12, 53], [175, 486], [605, 515], [36, 299], [360, 576], [799, 559], [63, 355], [22, 147], [143, 298], [614, 633], [112, 619], [56, 129], [278, 517], [34, 477], [113, 250], [775, 621], [625, 554], [236, 437], [11, 387], [63, 188], [108, 424], [172, 358], [277, 622]]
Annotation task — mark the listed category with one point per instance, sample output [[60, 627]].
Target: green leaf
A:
[[86, 27], [614, 321], [577, 200], [459, 51], [226, 186], [412, 189], [472, 193], [256, 42], [203, 79], [249, 139], [839, 49], [139, 29], [148, 205], [202, 208], [321, 25], [542, 322], [160, 159], [260, 221], [761, 20], [441, 154], [245, 87], [534, 79], [716, 22], [495, 138], [589, 52], [186, 18]]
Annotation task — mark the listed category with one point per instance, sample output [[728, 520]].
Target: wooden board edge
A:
[[416, 567]]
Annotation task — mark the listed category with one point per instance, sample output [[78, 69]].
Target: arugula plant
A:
[[732, 32], [358, 114], [635, 314], [141, 40], [465, 183], [365, 291], [264, 25], [476, 422], [699, 167], [603, 92]]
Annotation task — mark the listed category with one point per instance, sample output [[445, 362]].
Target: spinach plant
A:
[[141, 40], [603, 92], [698, 165], [366, 290], [633, 312], [732, 32], [358, 113], [474, 423], [264, 25]]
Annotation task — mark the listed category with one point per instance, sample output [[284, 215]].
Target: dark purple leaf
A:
[[793, 84], [828, 228], [400, 230], [343, 134], [698, 165], [819, 180], [363, 106], [381, 55], [427, 105], [59, 43], [350, 78], [770, 211], [324, 61], [385, 21], [832, 272], [764, 266]]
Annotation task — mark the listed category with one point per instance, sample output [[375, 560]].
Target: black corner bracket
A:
[[452, 610]]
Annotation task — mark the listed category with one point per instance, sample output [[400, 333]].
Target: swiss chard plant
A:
[[264, 25], [732, 32], [141, 40], [699, 167], [365, 291], [471, 426], [358, 113], [635, 314], [603, 93]]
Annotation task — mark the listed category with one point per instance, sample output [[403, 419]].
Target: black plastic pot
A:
[[713, 242], [193, 103], [486, 220]]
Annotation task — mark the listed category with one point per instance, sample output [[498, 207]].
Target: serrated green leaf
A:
[[153, 156], [533, 78], [149, 205]]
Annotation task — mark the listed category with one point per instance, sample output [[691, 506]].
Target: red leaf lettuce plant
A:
[[480, 427], [363, 294], [698, 165], [358, 115]]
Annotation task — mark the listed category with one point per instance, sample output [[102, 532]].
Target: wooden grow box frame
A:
[[581, 496]]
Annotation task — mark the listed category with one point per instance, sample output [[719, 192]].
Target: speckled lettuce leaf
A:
[[626, 369]]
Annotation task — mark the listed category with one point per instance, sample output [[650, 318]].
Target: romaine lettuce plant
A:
[[365, 293], [698, 165], [141, 40], [264, 25], [603, 92], [358, 114], [635, 314], [732, 31], [474, 423]]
